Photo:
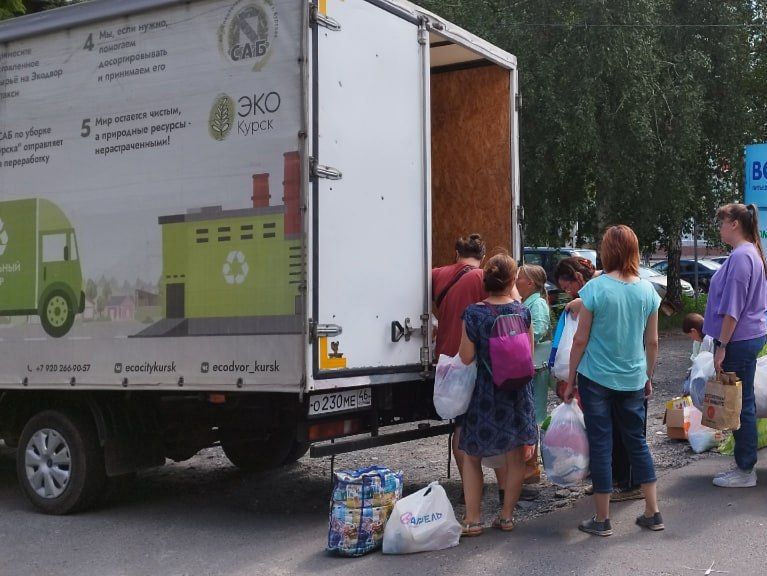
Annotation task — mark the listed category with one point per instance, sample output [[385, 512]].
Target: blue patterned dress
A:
[[497, 421]]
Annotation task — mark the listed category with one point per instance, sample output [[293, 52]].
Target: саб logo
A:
[[249, 31]]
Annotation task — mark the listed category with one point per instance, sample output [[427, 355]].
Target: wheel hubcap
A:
[[48, 463], [57, 311]]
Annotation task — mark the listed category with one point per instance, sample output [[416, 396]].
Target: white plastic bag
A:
[[453, 386], [701, 372], [760, 387], [561, 368], [422, 522], [565, 447], [701, 437]]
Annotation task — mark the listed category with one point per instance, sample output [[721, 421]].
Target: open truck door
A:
[[370, 239]]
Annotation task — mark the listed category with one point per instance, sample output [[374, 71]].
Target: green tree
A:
[[634, 111], [11, 8], [91, 290]]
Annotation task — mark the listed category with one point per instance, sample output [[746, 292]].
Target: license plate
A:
[[340, 401]]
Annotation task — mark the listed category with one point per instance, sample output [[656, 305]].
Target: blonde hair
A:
[[537, 276]]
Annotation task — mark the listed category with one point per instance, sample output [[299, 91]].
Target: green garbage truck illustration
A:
[[40, 272]]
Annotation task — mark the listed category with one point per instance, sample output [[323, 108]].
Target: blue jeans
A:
[[740, 357], [599, 403]]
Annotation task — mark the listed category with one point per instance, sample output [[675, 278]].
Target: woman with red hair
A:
[[612, 358]]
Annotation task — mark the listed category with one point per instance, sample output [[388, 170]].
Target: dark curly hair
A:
[[471, 247]]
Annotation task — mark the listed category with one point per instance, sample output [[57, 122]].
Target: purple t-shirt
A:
[[738, 289]]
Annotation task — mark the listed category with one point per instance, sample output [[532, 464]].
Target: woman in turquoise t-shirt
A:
[[531, 285], [613, 357]]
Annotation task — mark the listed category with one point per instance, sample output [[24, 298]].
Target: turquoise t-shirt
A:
[[615, 356], [539, 310]]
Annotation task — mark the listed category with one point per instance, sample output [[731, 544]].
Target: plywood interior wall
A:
[[471, 171]]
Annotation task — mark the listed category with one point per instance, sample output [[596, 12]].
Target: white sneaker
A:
[[730, 470], [736, 478]]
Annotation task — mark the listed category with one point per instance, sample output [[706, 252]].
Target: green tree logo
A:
[[3, 238], [221, 117]]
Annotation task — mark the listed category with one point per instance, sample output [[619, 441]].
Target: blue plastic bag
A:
[[360, 505]]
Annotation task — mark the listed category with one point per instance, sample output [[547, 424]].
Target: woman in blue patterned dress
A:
[[497, 421]]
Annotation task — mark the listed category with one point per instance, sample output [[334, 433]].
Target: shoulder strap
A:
[[453, 280]]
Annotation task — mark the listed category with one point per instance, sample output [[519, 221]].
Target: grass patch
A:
[[674, 323]]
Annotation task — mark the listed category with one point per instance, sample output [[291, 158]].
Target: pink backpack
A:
[[510, 354]]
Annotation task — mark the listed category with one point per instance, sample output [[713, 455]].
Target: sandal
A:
[[471, 529], [504, 524]]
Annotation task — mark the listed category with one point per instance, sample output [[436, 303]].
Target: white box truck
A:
[[218, 221]]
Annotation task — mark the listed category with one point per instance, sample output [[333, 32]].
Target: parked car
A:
[[659, 280], [719, 259], [706, 269], [548, 258]]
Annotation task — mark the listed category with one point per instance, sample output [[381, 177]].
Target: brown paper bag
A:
[[722, 402]]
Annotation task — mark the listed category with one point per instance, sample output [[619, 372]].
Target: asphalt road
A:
[[216, 525]]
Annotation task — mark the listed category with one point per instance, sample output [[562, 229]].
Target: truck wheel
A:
[[258, 455], [298, 450], [60, 465], [57, 314]]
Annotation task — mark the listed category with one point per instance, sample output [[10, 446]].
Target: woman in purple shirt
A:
[[735, 318]]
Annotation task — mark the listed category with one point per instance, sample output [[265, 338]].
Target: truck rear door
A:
[[370, 242]]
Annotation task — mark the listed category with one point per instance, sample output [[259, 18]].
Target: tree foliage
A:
[[11, 8], [635, 111]]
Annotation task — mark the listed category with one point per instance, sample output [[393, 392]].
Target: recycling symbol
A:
[[235, 268], [3, 238]]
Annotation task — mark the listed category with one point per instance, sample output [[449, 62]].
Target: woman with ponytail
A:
[[735, 318]]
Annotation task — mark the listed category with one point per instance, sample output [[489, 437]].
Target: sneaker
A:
[[736, 479], [624, 494], [592, 526], [654, 522]]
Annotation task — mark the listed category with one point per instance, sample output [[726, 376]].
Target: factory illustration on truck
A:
[[234, 272]]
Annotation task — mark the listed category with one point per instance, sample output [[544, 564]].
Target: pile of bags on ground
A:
[[367, 512], [714, 405]]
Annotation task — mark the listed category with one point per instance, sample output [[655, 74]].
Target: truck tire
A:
[[298, 450], [60, 465], [57, 313], [259, 455]]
